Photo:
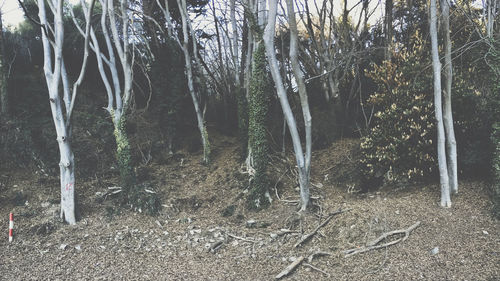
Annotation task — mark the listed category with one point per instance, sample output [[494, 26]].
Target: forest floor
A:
[[203, 206]]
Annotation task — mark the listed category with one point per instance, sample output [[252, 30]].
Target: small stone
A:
[[485, 232], [292, 259], [63, 246], [397, 212], [78, 247], [274, 235], [251, 223], [435, 251]]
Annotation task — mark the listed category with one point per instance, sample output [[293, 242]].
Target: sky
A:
[[12, 14]]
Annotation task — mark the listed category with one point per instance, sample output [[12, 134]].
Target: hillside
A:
[[204, 205]]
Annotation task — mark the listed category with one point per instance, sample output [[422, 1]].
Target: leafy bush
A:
[[399, 146]]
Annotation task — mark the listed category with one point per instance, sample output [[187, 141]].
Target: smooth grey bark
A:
[[232, 7], [451, 143], [436, 67], [119, 89], [4, 95], [55, 73], [189, 73], [250, 47], [492, 7], [388, 29], [52, 70], [305, 171], [285, 105]]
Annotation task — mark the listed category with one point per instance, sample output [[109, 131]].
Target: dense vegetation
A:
[[359, 85]]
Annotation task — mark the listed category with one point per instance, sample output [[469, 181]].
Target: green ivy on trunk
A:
[[258, 107]]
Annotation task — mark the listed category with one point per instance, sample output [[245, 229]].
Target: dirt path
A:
[[116, 244]]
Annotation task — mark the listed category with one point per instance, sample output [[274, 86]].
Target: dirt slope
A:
[[115, 244]]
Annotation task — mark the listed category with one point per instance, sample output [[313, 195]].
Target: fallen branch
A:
[[374, 244], [241, 238], [291, 267], [310, 235], [215, 246], [317, 269], [317, 254]]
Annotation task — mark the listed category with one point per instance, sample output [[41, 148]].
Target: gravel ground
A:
[[109, 243]]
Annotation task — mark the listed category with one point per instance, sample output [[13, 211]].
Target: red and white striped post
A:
[[11, 226]]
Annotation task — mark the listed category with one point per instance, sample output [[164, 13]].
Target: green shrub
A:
[[399, 148]]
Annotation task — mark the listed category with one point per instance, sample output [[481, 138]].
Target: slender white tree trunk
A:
[[235, 43], [304, 172], [285, 105], [451, 144], [4, 97], [53, 65], [436, 66], [189, 73]]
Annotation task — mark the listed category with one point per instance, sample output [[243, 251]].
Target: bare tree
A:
[[186, 30], [119, 90], [436, 67], [55, 73], [451, 144], [303, 160]]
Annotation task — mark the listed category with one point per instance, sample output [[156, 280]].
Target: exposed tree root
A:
[[373, 244], [291, 267], [310, 235]]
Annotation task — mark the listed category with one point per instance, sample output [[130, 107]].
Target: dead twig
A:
[[374, 244], [317, 254], [215, 246], [310, 235], [241, 238], [317, 269], [282, 232], [291, 267]]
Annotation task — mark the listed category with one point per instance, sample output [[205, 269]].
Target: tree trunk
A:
[[304, 172], [67, 174], [257, 133], [4, 96], [123, 155], [436, 66], [53, 64], [285, 105], [189, 72], [388, 29], [451, 144]]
